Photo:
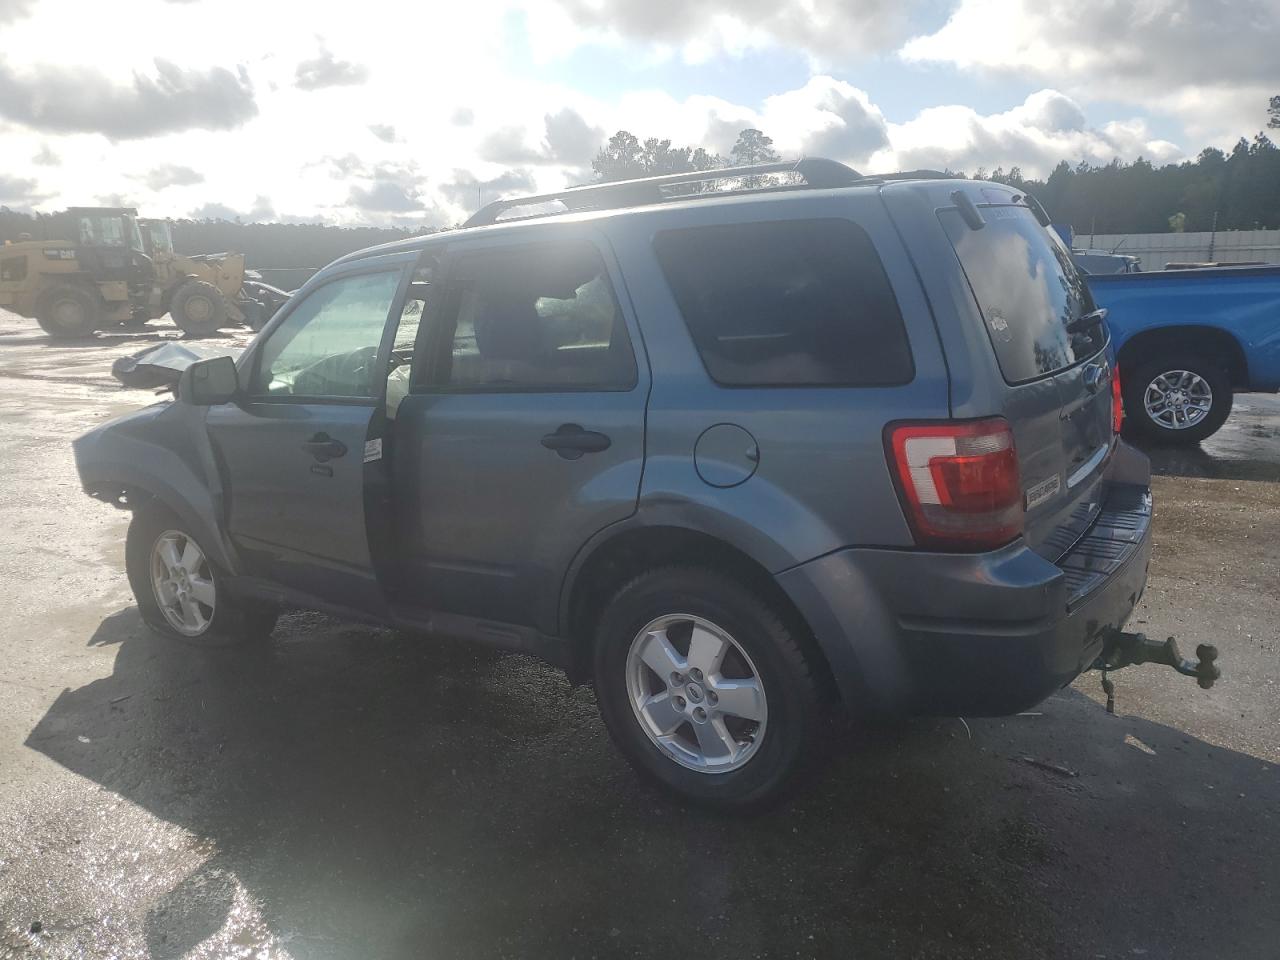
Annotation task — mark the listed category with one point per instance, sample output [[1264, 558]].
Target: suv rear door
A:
[[1042, 356], [523, 430]]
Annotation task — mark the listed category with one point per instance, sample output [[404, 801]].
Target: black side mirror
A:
[[207, 383]]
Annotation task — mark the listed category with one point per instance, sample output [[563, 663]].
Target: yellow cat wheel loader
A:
[[205, 291], [92, 270]]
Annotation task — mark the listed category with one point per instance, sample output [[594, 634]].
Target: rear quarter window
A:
[[787, 303], [1028, 291]]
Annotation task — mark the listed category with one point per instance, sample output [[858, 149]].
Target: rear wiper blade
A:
[[1087, 320]]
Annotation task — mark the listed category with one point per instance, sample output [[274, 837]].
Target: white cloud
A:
[[326, 70], [1203, 60], [18, 192], [14, 9], [1045, 128], [73, 99], [433, 119], [826, 117], [701, 29], [570, 139], [172, 175]]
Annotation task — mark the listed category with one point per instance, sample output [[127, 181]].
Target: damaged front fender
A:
[[161, 451]]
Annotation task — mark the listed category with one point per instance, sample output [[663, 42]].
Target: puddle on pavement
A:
[[1246, 448]]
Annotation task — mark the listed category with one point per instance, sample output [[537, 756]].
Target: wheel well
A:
[[84, 284], [629, 554], [120, 495], [1209, 341]]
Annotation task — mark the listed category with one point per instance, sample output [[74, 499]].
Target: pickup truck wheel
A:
[[66, 310], [179, 590], [198, 308], [1177, 398], [704, 688]]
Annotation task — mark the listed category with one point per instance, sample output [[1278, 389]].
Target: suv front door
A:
[[523, 430], [294, 449]]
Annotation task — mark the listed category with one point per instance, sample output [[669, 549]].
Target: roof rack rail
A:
[[818, 173]]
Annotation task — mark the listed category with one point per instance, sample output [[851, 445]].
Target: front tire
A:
[[66, 311], [198, 308], [705, 688], [179, 590], [1177, 398]]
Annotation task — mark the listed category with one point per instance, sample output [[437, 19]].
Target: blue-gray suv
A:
[[728, 449]]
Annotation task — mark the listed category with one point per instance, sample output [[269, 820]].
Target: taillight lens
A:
[[959, 482], [1117, 400]]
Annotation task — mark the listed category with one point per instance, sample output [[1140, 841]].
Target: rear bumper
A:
[[979, 635]]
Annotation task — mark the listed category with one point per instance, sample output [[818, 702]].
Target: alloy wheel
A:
[[1178, 399], [183, 583], [696, 693]]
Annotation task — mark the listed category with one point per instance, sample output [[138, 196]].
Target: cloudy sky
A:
[[385, 111]]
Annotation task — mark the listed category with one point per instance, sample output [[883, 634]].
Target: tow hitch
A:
[[1121, 649]]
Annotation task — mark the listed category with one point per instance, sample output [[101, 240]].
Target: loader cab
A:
[[110, 227], [157, 238], [108, 242]]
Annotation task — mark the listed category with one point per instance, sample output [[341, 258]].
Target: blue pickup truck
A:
[[1186, 340]]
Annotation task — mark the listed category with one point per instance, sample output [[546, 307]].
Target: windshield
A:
[[1029, 292], [158, 235], [100, 230]]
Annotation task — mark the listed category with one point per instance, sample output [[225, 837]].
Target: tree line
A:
[[1225, 190], [1236, 190], [625, 157], [267, 245]]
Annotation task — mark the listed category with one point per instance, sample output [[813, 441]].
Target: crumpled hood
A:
[[162, 364]]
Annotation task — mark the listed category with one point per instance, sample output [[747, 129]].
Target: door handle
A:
[[571, 441], [323, 447]]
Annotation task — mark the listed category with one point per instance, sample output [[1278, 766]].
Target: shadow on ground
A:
[[1246, 448], [1195, 461], [387, 796]]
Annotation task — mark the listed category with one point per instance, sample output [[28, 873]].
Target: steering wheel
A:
[[338, 375]]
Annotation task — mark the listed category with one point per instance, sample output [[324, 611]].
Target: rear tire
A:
[[1177, 398], [66, 311], [761, 757], [204, 614], [198, 308]]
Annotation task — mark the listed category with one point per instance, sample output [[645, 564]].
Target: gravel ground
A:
[[349, 792]]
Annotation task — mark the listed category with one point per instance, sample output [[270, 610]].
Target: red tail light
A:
[[1117, 400], [959, 482]]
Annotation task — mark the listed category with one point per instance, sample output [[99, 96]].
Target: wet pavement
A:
[[346, 792]]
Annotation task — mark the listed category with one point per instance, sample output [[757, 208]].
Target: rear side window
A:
[[787, 303], [1028, 290], [534, 318]]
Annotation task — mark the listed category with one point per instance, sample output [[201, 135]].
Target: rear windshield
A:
[[787, 303], [1028, 289]]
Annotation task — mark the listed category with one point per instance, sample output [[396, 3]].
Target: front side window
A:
[[787, 303], [534, 318], [1029, 291], [99, 231], [161, 242], [328, 344]]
